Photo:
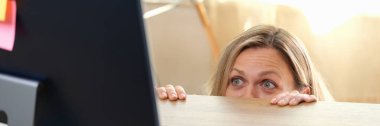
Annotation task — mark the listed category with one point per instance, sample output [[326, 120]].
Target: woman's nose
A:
[[247, 95], [250, 93]]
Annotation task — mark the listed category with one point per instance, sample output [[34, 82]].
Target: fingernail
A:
[[273, 100], [163, 94], [174, 95], [183, 96], [282, 101]]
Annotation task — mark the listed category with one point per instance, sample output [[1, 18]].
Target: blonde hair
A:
[[266, 36]]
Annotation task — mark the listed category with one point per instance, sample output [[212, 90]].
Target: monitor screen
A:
[[91, 57]]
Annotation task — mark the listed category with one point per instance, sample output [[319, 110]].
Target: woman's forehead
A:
[[261, 59]]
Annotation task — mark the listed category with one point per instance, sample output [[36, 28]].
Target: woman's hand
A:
[[172, 93], [292, 98]]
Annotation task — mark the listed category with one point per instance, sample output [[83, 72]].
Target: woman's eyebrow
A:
[[239, 71], [263, 73]]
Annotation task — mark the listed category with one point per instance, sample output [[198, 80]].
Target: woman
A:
[[263, 62]]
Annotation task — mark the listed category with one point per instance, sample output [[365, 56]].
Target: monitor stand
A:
[[17, 100]]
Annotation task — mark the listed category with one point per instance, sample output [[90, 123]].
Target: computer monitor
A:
[[91, 57]]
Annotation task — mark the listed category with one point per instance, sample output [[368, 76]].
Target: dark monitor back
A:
[[93, 60]]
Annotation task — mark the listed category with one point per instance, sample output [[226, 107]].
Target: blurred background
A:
[[342, 37]]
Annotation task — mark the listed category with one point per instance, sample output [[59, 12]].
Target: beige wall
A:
[[179, 48], [348, 58]]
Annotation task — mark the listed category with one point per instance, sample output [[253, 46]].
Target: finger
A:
[[287, 98], [180, 92], [278, 98], [309, 98], [171, 92], [161, 91], [296, 100], [302, 98], [284, 100]]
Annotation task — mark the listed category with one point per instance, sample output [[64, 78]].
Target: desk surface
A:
[[228, 111]]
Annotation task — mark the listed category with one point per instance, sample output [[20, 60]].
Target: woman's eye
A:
[[268, 84], [236, 81]]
